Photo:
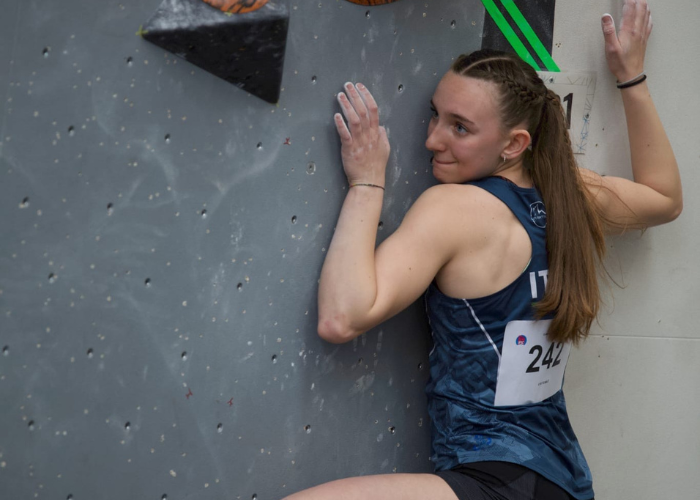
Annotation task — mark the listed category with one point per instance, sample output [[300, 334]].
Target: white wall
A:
[[632, 388]]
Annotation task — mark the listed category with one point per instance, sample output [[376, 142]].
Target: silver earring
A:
[[504, 158]]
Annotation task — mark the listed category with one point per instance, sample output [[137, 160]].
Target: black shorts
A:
[[501, 481]]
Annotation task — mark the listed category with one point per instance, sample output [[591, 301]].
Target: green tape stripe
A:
[[529, 33], [508, 32]]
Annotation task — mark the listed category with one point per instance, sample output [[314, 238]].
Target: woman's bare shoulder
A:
[[470, 210], [456, 194]]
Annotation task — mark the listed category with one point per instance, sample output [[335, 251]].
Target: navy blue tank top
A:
[[495, 386]]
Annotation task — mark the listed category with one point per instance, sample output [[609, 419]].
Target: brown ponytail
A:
[[575, 241]]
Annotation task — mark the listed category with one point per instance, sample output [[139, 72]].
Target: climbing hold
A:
[[246, 48], [237, 6], [372, 2]]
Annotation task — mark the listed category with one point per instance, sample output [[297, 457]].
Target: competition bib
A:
[[531, 368]]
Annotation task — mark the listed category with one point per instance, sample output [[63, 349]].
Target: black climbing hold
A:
[[246, 50]]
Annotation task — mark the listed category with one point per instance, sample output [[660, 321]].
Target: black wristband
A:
[[632, 83]]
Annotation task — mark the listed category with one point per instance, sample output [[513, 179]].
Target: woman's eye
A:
[[461, 129]]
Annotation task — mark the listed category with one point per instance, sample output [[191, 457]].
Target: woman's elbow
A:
[[333, 332], [669, 212], [677, 209], [330, 331], [672, 212]]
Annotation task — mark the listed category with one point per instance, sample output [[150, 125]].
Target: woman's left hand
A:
[[365, 146], [625, 50]]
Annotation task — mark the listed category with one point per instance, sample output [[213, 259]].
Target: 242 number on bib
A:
[[548, 361], [531, 367]]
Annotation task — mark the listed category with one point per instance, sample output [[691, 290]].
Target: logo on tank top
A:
[[538, 215], [521, 340]]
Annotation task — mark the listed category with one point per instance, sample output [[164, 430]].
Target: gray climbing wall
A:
[[158, 296], [162, 237]]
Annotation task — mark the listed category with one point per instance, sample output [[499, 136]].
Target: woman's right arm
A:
[[655, 196]]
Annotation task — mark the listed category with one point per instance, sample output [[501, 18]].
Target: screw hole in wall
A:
[[129, 61], [30, 425], [164, 497], [311, 168], [184, 355], [110, 209], [25, 203], [6, 350], [367, 14], [239, 286], [259, 146], [401, 87], [392, 429], [90, 353], [307, 428], [274, 359], [127, 426], [453, 24], [69, 497], [294, 219], [313, 79], [204, 213], [46, 52], [147, 282], [71, 131], [167, 138], [220, 428], [52, 278]]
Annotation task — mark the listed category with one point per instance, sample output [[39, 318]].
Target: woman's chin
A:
[[439, 176], [439, 171], [443, 176]]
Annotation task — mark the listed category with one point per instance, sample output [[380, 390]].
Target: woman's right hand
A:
[[625, 50], [365, 146]]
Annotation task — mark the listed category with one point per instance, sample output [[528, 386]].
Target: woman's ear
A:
[[519, 141]]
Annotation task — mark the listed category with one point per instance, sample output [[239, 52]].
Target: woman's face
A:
[[465, 134]]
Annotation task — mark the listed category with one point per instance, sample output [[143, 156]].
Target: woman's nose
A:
[[434, 141]]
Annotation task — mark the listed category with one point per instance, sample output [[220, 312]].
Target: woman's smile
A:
[[435, 160]]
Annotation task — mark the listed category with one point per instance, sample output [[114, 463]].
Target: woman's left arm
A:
[[655, 196]]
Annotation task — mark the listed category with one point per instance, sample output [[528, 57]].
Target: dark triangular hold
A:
[[244, 49]]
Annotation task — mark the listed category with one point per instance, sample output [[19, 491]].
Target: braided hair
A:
[[575, 241]]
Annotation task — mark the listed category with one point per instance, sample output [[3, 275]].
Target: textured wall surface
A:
[[632, 389], [163, 233]]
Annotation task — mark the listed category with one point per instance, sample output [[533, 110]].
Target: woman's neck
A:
[[516, 173]]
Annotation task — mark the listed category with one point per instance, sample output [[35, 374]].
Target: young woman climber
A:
[[509, 248]]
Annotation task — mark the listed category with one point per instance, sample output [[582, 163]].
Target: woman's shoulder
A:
[[450, 207], [458, 196], [456, 192]]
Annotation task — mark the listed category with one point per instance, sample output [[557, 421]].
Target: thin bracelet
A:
[[371, 185], [634, 81]]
